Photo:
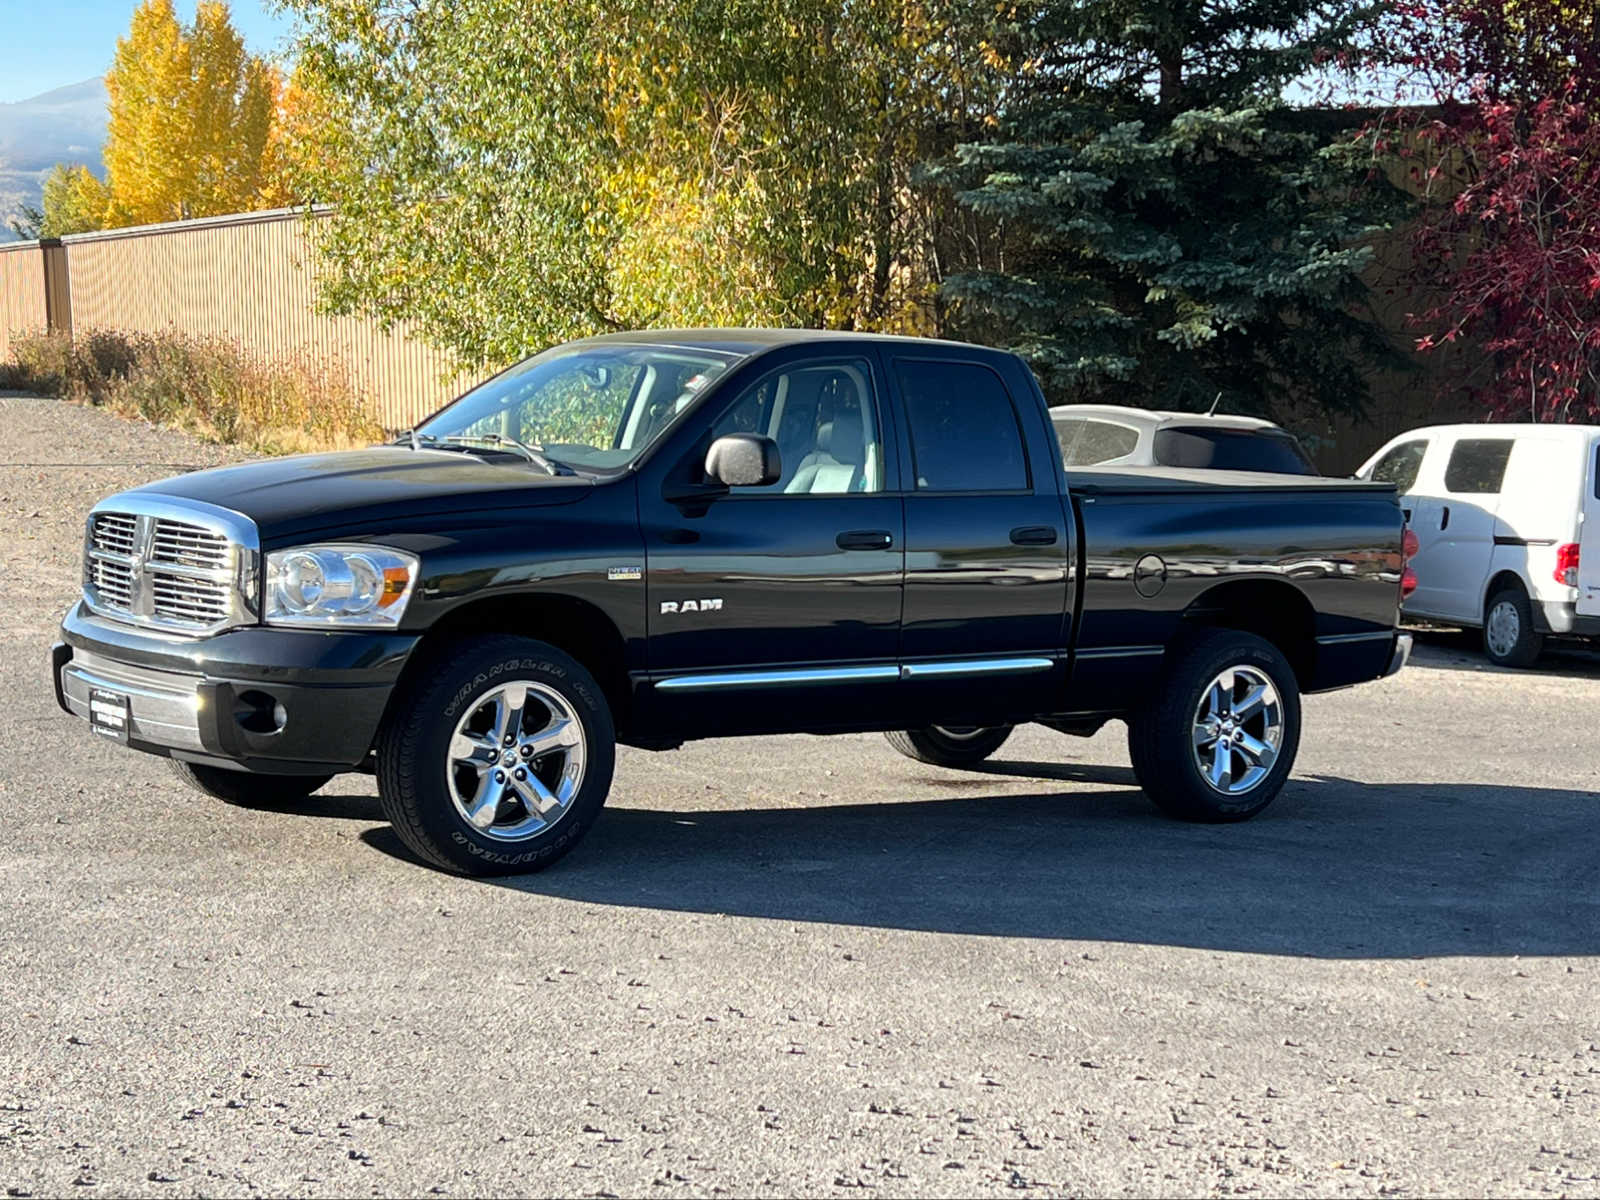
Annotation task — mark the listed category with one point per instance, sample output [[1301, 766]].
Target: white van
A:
[[1507, 518]]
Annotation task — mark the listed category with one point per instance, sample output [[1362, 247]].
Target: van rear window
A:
[[1477, 466]]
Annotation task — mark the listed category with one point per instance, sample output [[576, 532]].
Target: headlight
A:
[[333, 586]]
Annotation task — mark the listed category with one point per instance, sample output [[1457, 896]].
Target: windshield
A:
[[593, 407]]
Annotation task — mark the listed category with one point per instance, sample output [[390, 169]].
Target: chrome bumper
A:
[[163, 708], [1401, 655]]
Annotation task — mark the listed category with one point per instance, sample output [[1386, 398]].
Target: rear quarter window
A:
[[1085, 442], [1477, 466]]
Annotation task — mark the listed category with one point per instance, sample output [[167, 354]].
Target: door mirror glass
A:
[[744, 460]]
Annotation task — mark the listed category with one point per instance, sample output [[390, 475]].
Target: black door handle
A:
[[1444, 519], [1033, 535], [865, 539]]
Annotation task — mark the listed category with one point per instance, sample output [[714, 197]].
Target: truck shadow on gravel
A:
[[1335, 869]]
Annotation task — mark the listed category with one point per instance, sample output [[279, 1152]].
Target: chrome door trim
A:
[[948, 669], [798, 677], [825, 676]]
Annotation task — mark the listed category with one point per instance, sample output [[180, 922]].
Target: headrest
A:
[[842, 438]]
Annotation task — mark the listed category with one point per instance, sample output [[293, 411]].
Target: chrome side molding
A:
[[825, 676]]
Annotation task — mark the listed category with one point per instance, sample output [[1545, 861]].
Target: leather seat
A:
[[835, 465]]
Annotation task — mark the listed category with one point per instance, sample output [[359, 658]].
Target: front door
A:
[[989, 548], [778, 607]]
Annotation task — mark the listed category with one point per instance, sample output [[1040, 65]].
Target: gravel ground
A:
[[801, 966]]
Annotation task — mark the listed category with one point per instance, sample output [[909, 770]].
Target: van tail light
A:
[[1567, 564], [1409, 545]]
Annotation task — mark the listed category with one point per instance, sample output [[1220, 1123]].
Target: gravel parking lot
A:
[[802, 966]]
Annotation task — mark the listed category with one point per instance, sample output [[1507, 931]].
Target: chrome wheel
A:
[[960, 733], [516, 761], [1238, 730], [1503, 630]]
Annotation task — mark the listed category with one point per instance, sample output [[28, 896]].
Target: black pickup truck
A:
[[648, 538]]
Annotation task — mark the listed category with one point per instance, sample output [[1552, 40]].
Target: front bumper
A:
[[256, 699]]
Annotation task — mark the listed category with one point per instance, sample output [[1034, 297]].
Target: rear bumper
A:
[[1402, 655], [273, 701], [1561, 617]]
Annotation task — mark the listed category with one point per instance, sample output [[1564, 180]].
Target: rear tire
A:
[[1219, 738], [497, 758], [957, 746], [245, 789], [1510, 638]]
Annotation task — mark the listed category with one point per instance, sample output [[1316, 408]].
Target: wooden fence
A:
[[250, 278]]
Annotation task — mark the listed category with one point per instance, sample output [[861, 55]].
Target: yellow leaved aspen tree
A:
[[190, 120]]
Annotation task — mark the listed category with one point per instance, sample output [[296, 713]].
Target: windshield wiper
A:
[[534, 454], [465, 443]]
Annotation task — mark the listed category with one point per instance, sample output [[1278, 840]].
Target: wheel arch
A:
[[1498, 580], [572, 625], [1269, 608]]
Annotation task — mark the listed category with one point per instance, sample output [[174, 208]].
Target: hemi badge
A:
[[625, 573]]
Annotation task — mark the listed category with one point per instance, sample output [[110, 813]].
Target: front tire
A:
[[1510, 638], [498, 758], [1218, 741], [952, 746], [244, 789]]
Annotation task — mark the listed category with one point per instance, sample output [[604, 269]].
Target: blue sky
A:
[[45, 45]]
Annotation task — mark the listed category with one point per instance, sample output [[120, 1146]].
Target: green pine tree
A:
[[1169, 229]]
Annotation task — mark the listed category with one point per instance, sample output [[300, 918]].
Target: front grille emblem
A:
[[144, 533]]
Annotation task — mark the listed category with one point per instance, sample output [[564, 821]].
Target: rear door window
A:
[[1477, 466], [964, 433], [1231, 450], [1401, 465], [1085, 442]]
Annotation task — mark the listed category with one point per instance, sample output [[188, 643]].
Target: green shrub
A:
[[204, 385]]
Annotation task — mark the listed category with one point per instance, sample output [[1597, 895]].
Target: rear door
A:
[[989, 549], [1589, 539], [1463, 526]]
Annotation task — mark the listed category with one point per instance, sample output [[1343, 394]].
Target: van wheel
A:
[[950, 745], [498, 758], [1509, 636], [1219, 738], [245, 789]]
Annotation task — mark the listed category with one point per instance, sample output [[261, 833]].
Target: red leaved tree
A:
[[1508, 248]]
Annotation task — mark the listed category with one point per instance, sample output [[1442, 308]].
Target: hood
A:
[[356, 488]]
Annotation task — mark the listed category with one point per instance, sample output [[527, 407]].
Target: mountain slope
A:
[[67, 124]]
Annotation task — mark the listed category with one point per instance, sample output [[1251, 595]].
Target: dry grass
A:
[[209, 387]]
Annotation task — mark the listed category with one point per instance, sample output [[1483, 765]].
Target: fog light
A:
[[258, 712]]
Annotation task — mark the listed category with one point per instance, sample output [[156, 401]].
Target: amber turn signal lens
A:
[[395, 580]]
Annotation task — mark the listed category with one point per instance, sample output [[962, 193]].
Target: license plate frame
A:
[[110, 714]]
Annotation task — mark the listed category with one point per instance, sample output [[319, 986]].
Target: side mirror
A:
[[744, 460]]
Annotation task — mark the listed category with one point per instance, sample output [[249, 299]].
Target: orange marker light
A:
[[395, 580]]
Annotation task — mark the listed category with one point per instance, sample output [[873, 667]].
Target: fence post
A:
[[57, 287]]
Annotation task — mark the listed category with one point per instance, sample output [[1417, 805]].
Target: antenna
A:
[[1212, 411]]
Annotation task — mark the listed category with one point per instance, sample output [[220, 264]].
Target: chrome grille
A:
[[181, 544], [114, 531], [147, 567]]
